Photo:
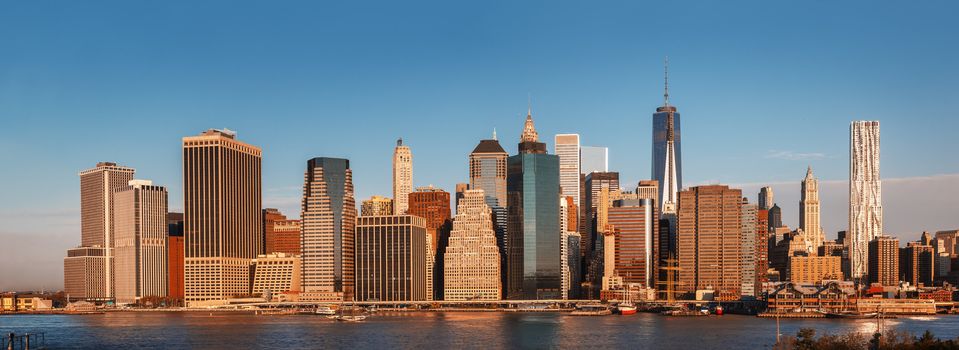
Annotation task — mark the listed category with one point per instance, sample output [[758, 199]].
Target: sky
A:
[[765, 89]]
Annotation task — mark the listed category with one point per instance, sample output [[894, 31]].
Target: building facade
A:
[[747, 239], [533, 242], [377, 206], [593, 159], [472, 259], [667, 167], [634, 222], [433, 204], [809, 210], [865, 194], [402, 177], [567, 148], [223, 228], [140, 221], [276, 273], [709, 226], [281, 235], [766, 198], [175, 256], [917, 264], [814, 269], [883, 264], [329, 220], [97, 187], [391, 258]]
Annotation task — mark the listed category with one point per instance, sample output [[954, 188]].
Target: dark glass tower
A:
[[534, 260], [667, 157]]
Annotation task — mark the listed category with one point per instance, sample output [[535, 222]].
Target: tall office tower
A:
[[460, 191], [402, 177], [884, 261], [567, 148], [809, 210], [472, 260], [761, 249], [667, 152], [635, 224], [917, 264], [377, 206], [175, 256], [280, 234], [533, 240], [950, 241], [223, 224], [775, 218], [329, 220], [709, 224], [593, 159], [595, 182], [570, 227], [97, 187], [865, 194], [140, 221], [748, 238], [766, 199], [565, 275], [433, 204], [488, 173], [648, 189], [391, 258]]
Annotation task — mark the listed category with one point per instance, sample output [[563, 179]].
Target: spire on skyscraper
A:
[[809, 172], [529, 131], [666, 81], [494, 134]]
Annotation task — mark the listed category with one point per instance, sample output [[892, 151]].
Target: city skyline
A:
[[61, 106]]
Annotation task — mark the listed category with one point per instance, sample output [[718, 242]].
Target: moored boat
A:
[[626, 308]]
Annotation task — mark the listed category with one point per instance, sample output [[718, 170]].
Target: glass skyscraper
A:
[[534, 247]]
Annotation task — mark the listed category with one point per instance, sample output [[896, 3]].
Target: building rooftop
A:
[[489, 146]]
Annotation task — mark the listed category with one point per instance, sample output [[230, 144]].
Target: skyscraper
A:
[[402, 177], [140, 222], [917, 263], [709, 226], [223, 227], [433, 204], [775, 218], [391, 258], [635, 225], [175, 256], [593, 158], [93, 275], [748, 252], [567, 148], [865, 194], [809, 210], [329, 220], [472, 259], [884, 261], [667, 157], [766, 199], [533, 240], [488, 173], [595, 182]]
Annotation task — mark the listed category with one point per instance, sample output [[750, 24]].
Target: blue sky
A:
[[765, 89]]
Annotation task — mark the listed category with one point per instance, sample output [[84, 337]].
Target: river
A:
[[433, 330]]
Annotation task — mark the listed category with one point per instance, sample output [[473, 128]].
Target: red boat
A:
[[626, 308]]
